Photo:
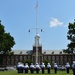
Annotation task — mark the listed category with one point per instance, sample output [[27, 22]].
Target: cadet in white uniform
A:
[[73, 67], [48, 67], [67, 67], [20, 67], [42, 67], [32, 68], [37, 67], [55, 68], [26, 68]]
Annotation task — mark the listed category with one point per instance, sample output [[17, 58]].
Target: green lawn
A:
[[52, 73]]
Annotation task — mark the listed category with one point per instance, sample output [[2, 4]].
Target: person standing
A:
[[73, 67], [20, 67], [32, 68], [55, 68], [26, 68], [37, 68], [43, 67], [48, 67], [67, 67]]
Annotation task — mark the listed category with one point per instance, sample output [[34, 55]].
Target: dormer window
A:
[[21, 52], [53, 52], [60, 52], [45, 52], [28, 52]]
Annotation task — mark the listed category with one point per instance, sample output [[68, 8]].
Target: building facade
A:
[[51, 55]]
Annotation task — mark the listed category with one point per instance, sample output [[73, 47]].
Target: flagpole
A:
[[36, 17], [36, 31]]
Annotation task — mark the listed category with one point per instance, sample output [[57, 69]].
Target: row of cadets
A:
[[48, 67], [26, 68], [67, 67], [32, 68], [55, 68], [42, 67]]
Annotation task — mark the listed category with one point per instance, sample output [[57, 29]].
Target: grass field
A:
[[14, 72]]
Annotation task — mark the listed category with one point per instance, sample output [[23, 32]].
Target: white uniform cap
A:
[[42, 63], [26, 63], [74, 62], [55, 63], [36, 63], [31, 63], [67, 63]]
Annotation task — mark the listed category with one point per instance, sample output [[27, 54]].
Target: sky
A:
[[53, 17]]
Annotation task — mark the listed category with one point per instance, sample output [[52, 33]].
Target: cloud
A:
[[55, 22]]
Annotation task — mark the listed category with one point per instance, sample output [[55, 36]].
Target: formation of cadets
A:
[[25, 68]]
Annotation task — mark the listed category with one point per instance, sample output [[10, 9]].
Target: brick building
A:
[[51, 55]]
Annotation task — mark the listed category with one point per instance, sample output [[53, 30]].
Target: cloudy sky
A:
[[53, 16]]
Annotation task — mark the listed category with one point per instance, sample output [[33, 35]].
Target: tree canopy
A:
[[71, 37], [6, 41]]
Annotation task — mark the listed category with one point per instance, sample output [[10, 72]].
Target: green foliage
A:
[[1, 29], [6, 41], [71, 37], [46, 62], [28, 61]]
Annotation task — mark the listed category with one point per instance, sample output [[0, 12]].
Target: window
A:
[[25, 58], [20, 58], [61, 60], [45, 57], [8, 60], [65, 59], [16, 59], [49, 57], [12, 60], [4, 60], [57, 59], [8, 57], [29, 57], [53, 57]]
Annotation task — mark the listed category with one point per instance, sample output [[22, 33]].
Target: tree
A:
[[46, 62], [29, 61], [6, 41], [71, 37]]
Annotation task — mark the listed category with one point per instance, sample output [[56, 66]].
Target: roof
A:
[[43, 51], [22, 51], [52, 51]]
